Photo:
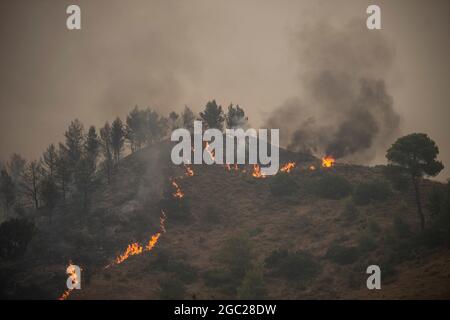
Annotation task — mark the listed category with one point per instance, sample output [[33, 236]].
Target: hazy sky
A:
[[165, 54]]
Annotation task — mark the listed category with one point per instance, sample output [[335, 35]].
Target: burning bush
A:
[[298, 266], [282, 184], [376, 190], [15, 234], [332, 186]]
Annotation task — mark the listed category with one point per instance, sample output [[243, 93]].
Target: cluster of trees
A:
[[70, 168]]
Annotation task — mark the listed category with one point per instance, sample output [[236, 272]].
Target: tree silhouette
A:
[[49, 160], [63, 170], [174, 120], [416, 153], [74, 142], [7, 190], [235, 117], [187, 119], [86, 166], [117, 138], [136, 128], [31, 181], [213, 116], [49, 193], [106, 147], [157, 126]]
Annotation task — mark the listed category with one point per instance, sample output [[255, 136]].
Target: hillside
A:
[[219, 206]]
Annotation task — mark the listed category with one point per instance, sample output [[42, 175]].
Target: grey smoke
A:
[[345, 109]]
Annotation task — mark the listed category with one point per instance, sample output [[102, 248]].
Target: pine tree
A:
[[187, 119], [86, 167], [31, 181], [416, 153], [136, 128], [91, 148], [63, 170], [213, 116], [49, 193], [7, 190], [117, 138], [174, 120], [235, 117], [106, 147], [74, 142], [49, 160], [157, 126], [16, 167]]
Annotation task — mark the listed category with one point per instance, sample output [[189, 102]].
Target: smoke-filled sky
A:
[[268, 56]]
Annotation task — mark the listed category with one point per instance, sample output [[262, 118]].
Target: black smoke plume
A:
[[345, 109]]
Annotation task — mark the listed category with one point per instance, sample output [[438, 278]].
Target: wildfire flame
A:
[[178, 193], [189, 171], [288, 167], [328, 161], [312, 167], [135, 248], [73, 275], [257, 172], [211, 154]]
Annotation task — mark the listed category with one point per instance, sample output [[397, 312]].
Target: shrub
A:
[[181, 270], [276, 258], [15, 235], [236, 256], [282, 184], [171, 289], [376, 190], [252, 286], [332, 187], [341, 254], [297, 266]]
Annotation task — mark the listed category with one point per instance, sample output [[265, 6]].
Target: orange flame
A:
[[189, 171], [135, 248], [312, 168], [73, 275], [178, 193], [328, 161], [257, 172], [211, 154], [288, 167]]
